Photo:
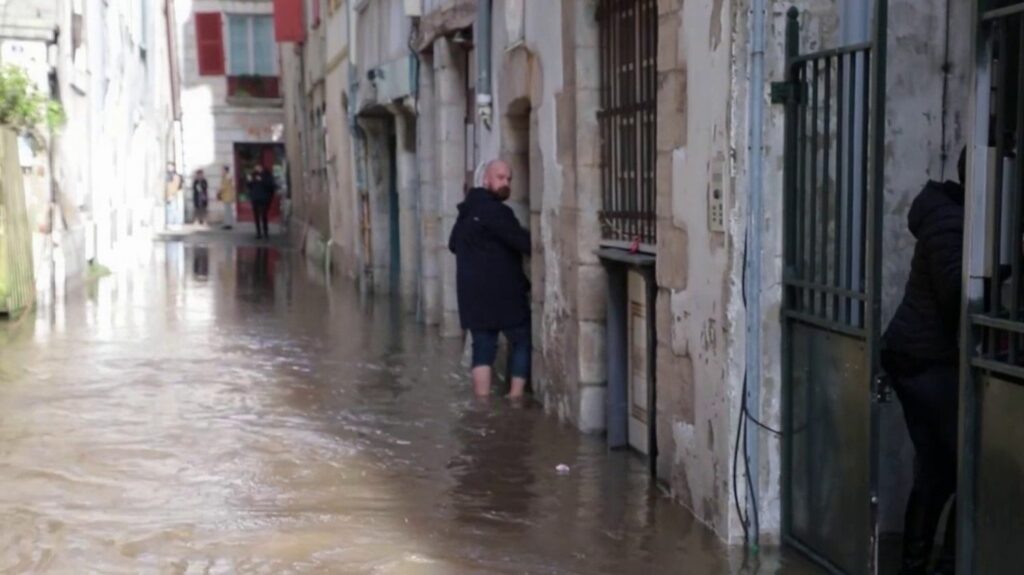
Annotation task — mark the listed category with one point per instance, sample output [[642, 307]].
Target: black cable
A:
[[741, 422], [744, 411], [735, 483], [754, 420]]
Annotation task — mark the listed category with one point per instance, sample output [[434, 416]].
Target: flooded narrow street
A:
[[219, 409]]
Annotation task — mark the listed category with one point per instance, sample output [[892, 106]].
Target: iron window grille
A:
[[628, 45]]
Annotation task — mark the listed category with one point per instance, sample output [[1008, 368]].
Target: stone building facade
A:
[[649, 335], [232, 100], [94, 186]]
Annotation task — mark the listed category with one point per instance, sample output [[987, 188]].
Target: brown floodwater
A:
[[220, 409]]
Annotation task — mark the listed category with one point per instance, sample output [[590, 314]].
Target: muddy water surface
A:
[[218, 409]]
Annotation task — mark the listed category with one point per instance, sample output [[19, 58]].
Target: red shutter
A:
[[210, 43], [289, 25]]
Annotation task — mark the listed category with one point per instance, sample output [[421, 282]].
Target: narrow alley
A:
[[220, 409]]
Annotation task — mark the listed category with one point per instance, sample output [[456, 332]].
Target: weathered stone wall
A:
[[450, 145], [430, 241], [696, 319], [344, 229]]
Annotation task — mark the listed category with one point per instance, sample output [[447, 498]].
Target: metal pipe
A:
[[947, 67], [483, 61], [755, 232]]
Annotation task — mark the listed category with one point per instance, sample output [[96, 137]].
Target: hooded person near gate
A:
[[920, 351], [493, 292]]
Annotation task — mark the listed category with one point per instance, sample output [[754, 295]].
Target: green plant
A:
[[22, 105]]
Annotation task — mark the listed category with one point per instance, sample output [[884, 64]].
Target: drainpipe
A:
[[755, 233], [483, 62], [947, 68], [53, 58]]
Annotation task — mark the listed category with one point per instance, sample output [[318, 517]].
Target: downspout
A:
[[53, 55], [483, 62], [417, 185], [947, 67], [754, 249]]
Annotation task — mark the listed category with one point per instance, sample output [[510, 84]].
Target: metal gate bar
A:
[[833, 178], [628, 32], [998, 322], [990, 497], [825, 272]]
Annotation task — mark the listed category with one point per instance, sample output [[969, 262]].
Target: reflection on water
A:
[[208, 410]]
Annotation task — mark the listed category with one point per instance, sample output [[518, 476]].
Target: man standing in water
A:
[[493, 291]]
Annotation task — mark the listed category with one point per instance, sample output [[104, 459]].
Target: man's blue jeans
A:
[[485, 349]]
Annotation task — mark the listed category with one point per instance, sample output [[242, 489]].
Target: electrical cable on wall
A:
[[751, 522]]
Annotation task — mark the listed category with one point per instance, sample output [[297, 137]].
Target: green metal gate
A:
[[831, 303], [990, 495]]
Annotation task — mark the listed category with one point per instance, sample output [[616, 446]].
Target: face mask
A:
[[503, 193]]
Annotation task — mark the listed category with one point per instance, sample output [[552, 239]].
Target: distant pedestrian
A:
[[200, 196], [226, 195], [173, 186], [493, 291], [261, 193], [920, 352]]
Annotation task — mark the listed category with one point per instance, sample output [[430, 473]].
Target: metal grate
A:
[[627, 119], [999, 324], [828, 189]]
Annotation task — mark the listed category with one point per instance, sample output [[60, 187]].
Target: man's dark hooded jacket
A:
[[262, 188], [489, 245], [924, 332]]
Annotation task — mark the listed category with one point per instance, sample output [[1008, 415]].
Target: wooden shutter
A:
[[289, 24], [210, 43]]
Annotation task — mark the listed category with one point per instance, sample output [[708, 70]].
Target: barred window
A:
[[629, 87]]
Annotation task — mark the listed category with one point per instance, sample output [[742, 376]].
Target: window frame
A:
[[250, 27]]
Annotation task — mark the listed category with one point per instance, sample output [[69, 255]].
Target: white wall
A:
[[212, 125]]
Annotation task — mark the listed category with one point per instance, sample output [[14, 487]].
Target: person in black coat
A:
[[200, 196], [261, 193], [920, 352], [492, 288]]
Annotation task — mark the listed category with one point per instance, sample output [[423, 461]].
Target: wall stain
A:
[[716, 25]]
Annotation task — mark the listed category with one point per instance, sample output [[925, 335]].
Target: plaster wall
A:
[[211, 123]]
